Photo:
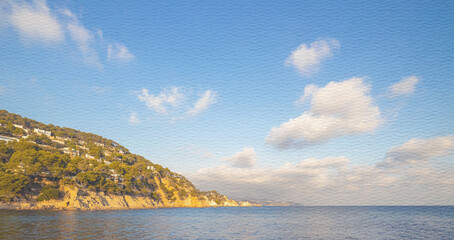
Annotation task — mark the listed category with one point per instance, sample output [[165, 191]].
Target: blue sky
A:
[[220, 76]]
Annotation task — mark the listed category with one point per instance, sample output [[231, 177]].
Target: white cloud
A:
[[306, 59], [419, 151], [243, 159], [204, 102], [172, 102], [308, 91], [311, 181], [327, 162], [80, 34], [134, 118], [338, 109], [2, 90], [84, 39], [35, 21], [159, 103], [404, 87], [337, 181], [69, 14], [120, 52]]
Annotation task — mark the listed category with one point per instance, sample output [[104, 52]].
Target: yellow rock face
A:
[[75, 200]]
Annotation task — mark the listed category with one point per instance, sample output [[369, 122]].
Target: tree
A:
[[96, 152], [5, 152], [110, 187], [49, 192], [40, 139], [11, 185], [27, 161], [23, 145], [91, 179]]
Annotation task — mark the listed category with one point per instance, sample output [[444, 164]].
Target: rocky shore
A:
[[76, 199]]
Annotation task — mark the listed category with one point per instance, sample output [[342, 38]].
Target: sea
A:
[[299, 222]]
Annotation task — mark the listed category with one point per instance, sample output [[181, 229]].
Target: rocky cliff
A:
[[50, 167], [77, 199]]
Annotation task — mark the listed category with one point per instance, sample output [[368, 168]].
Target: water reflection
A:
[[233, 223]]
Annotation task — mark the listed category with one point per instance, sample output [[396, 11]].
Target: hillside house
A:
[[18, 126], [89, 156], [41, 131], [62, 138], [66, 150], [7, 139], [71, 152]]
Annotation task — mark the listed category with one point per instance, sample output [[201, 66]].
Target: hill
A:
[[49, 167]]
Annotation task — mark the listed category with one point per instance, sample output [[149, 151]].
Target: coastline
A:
[[19, 208], [75, 199]]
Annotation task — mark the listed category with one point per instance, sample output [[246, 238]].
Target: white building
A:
[[66, 150], [62, 138], [70, 151], [7, 139], [89, 156], [41, 131], [18, 126]]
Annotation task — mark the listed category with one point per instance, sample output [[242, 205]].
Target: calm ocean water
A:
[[233, 223]]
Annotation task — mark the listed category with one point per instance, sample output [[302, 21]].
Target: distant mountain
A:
[[50, 167], [273, 203]]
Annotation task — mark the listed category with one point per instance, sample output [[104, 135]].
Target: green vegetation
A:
[[8, 129], [37, 164], [11, 185], [168, 193], [49, 192]]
